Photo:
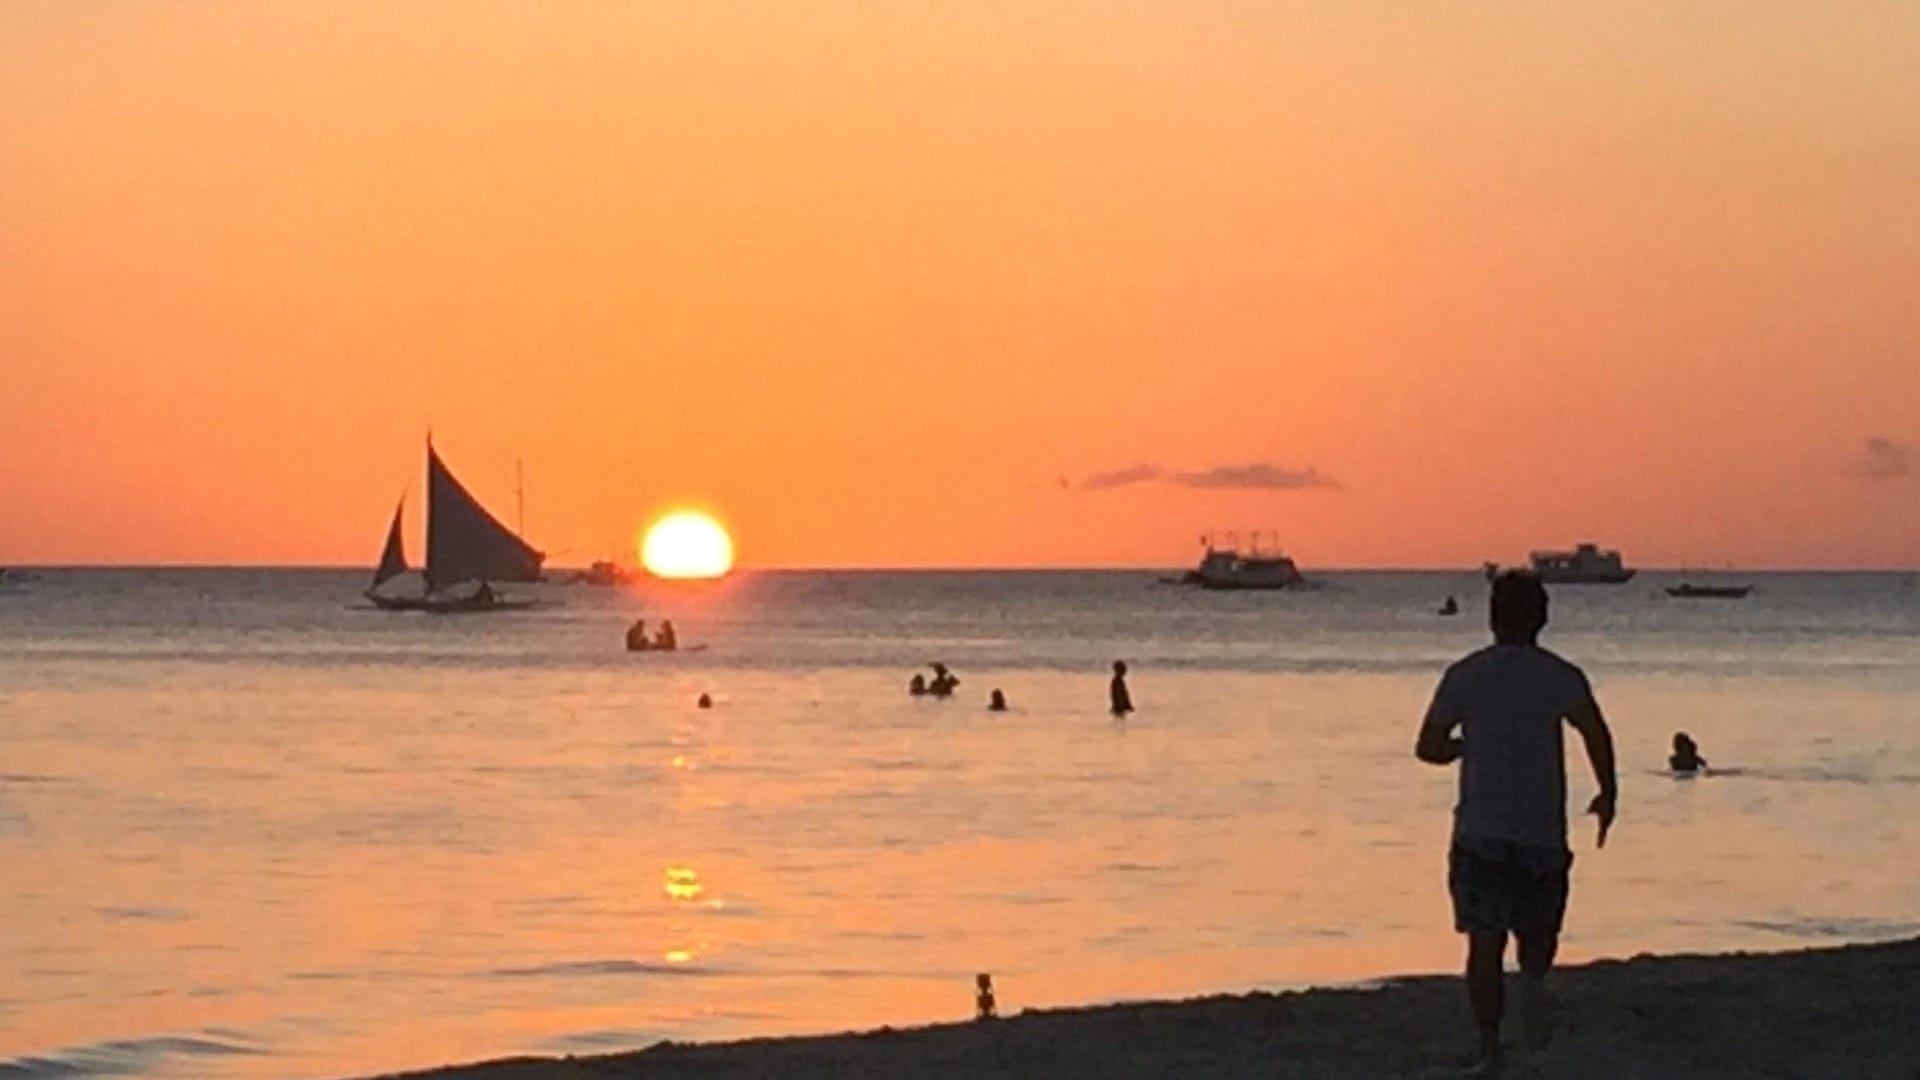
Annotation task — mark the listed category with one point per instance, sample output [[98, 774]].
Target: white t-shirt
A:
[[1509, 701]]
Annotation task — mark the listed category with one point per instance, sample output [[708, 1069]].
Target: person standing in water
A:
[[1508, 866], [1119, 700], [1686, 754]]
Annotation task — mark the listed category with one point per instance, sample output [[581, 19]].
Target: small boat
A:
[[1229, 568], [465, 544], [604, 572], [1689, 591], [1586, 564]]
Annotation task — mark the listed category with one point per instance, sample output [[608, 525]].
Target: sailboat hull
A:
[[452, 605]]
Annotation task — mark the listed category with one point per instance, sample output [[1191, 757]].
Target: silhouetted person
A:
[[996, 701], [1451, 607], [484, 595], [705, 702], [666, 638], [637, 636], [917, 686], [943, 682], [1118, 699], [1508, 866], [983, 1004], [1686, 754]]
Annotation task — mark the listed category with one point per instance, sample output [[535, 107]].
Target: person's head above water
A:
[[996, 700], [1517, 609]]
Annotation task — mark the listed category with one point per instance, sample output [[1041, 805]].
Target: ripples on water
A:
[[249, 830]]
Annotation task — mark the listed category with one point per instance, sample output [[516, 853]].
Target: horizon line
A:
[[964, 568]]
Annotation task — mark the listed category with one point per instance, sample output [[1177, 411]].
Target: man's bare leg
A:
[[1486, 988], [1536, 951]]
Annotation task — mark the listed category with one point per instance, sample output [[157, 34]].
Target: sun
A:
[[687, 544]]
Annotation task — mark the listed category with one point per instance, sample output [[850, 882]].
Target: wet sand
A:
[[1839, 1012]]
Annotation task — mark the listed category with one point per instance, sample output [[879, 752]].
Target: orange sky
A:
[[885, 284]]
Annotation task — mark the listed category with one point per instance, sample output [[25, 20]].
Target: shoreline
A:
[[1840, 1011]]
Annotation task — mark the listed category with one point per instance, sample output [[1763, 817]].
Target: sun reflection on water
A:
[[683, 883]]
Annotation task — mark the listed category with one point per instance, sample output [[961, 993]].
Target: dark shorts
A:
[[1508, 887]]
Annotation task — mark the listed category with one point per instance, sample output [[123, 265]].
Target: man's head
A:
[[1518, 608], [1119, 667]]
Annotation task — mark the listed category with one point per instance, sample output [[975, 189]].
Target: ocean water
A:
[[250, 829]]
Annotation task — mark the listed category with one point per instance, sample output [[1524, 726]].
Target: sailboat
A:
[[464, 543]]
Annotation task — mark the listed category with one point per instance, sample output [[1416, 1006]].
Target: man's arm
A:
[[1437, 744], [1592, 726]]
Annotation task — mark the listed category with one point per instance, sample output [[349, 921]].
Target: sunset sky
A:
[[908, 283]]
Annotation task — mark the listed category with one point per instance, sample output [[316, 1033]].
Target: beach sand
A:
[[1838, 1012]]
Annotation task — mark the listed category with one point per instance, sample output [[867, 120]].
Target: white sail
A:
[[464, 541]]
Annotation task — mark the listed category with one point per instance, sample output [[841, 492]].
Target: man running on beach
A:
[[1507, 870]]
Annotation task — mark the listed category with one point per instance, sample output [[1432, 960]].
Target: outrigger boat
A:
[[1689, 591], [465, 544]]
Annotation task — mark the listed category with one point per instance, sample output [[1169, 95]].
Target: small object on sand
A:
[[984, 999], [705, 702]]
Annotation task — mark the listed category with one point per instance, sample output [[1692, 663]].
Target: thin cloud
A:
[[1119, 478], [1884, 459], [1257, 476], [1250, 476]]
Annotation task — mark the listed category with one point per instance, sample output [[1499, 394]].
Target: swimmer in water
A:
[[996, 702], [1686, 754]]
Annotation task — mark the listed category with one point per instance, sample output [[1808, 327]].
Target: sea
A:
[[250, 827]]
